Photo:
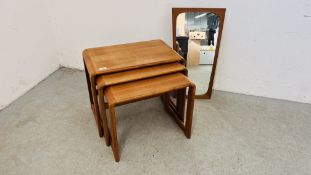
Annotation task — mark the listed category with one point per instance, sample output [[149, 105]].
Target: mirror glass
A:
[[196, 39]]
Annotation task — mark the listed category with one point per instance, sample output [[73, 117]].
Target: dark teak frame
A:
[[221, 13]]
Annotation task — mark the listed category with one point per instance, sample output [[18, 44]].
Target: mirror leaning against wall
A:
[[196, 37]]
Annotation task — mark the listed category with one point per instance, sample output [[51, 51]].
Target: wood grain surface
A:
[[109, 59], [137, 74], [141, 89]]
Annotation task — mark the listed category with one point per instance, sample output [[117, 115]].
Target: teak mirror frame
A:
[[221, 14]]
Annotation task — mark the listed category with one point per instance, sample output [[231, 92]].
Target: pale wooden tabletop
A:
[[109, 59]]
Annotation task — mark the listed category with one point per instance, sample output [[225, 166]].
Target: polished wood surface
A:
[[221, 14], [137, 74], [136, 90], [109, 59]]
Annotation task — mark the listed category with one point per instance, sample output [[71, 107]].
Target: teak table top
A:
[[109, 59], [136, 90], [137, 74]]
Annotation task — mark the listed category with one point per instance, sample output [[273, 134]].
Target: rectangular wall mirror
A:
[[196, 37]]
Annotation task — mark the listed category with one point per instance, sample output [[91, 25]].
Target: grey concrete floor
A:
[[51, 130]]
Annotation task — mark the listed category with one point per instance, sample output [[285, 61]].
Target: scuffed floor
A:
[[51, 130]]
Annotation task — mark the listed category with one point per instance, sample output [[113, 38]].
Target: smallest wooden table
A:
[[142, 89]]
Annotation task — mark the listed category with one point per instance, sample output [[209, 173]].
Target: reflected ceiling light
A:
[[199, 16]]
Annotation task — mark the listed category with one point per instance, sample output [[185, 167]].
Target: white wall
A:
[[264, 50], [27, 47]]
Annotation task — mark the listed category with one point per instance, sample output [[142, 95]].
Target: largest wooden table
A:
[[110, 59]]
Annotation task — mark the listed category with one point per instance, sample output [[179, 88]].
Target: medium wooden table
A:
[[118, 58]]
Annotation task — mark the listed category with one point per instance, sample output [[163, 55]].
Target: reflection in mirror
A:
[[196, 37]]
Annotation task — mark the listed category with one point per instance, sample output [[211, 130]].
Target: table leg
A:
[[181, 100], [104, 116], [189, 115], [96, 109], [93, 100], [114, 139], [180, 103], [88, 84]]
